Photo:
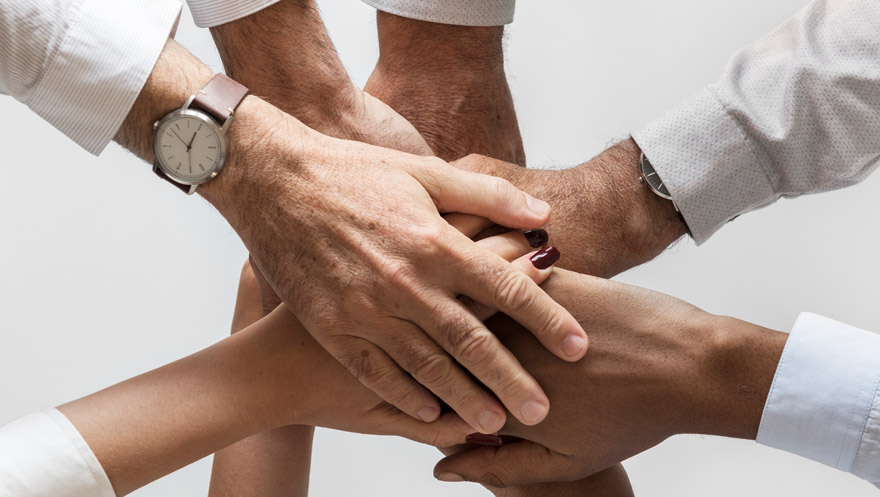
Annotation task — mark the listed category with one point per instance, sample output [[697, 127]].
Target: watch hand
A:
[[179, 138], [191, 141]]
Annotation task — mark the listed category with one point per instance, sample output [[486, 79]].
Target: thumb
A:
[[457, 190], [446, 431], [518, 463]]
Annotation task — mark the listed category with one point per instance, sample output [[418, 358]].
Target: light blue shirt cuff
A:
[[823, 392]]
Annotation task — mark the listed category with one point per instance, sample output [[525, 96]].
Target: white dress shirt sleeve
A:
[[81, 64], [210, 13], [461, 12], [42, 454], [796, 112], [823, 403]]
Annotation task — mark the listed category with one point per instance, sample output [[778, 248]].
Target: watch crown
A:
[[155, 125]]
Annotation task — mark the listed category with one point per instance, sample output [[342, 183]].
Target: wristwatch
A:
[[650, 177], [190, 143]]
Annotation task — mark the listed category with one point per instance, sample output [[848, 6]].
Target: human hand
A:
[[449, 82], [284, 54], [338, 400], [604, 220], [657, 367], [611, 482], [261, 378]]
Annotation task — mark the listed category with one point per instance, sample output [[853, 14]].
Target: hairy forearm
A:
[[284, 55], [449, 81], [604, 220]]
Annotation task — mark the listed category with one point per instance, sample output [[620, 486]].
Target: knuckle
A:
[[359, 364], [513, 292], [552, 324], [398, 274], [436, 369], [493, 479], [504, 189], [473, 346]]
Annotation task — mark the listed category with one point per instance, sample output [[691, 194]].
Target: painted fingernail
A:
[[539, 207], [537, 238], [450, 477], [533, 411], [428, 414], [483, 439], [491, 421], [545, 258], [574, 345]]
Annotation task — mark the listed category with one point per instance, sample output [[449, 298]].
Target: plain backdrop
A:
[[107, 272]]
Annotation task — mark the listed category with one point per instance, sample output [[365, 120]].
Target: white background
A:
[[107, 272]]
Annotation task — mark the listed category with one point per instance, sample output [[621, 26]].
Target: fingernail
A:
[[428, 414], [491, 421], [533, 411], [574, 345], [545, 258], [537, 238], [483, 439], [451, 477], [539, 207]]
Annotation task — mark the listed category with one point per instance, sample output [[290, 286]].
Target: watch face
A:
[[189, 147], [653, 179]]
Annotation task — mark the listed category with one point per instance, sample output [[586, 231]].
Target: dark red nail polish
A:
[[483, 439], [545, 258], [537, 238]]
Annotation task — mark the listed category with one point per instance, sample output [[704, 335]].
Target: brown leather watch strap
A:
[[187, 189], [220, 97]]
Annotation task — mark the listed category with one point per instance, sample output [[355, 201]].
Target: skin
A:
[[372, 219], [658, 367], [449, 82], [257, 380], [604, 220], [482, 119], [277, 462], [284, 54]]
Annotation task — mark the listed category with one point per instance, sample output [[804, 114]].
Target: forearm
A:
[[449, 81], [604, 220], [276, 462], [170, 417], [284, 55]]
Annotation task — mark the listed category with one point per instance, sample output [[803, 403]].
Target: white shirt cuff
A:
[[100, 68], [822, 395], [460, 12], [707, 164], [210, 13], [42, 454]]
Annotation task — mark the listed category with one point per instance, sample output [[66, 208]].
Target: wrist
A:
[[264, 144], [738, 366], [650, 223], [284, 54], [407, 45]]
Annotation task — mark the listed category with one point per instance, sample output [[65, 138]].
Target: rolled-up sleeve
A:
[[81, 64], [43, 454], [796, 112], [823, 403], [210, 13], [460, 12]]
